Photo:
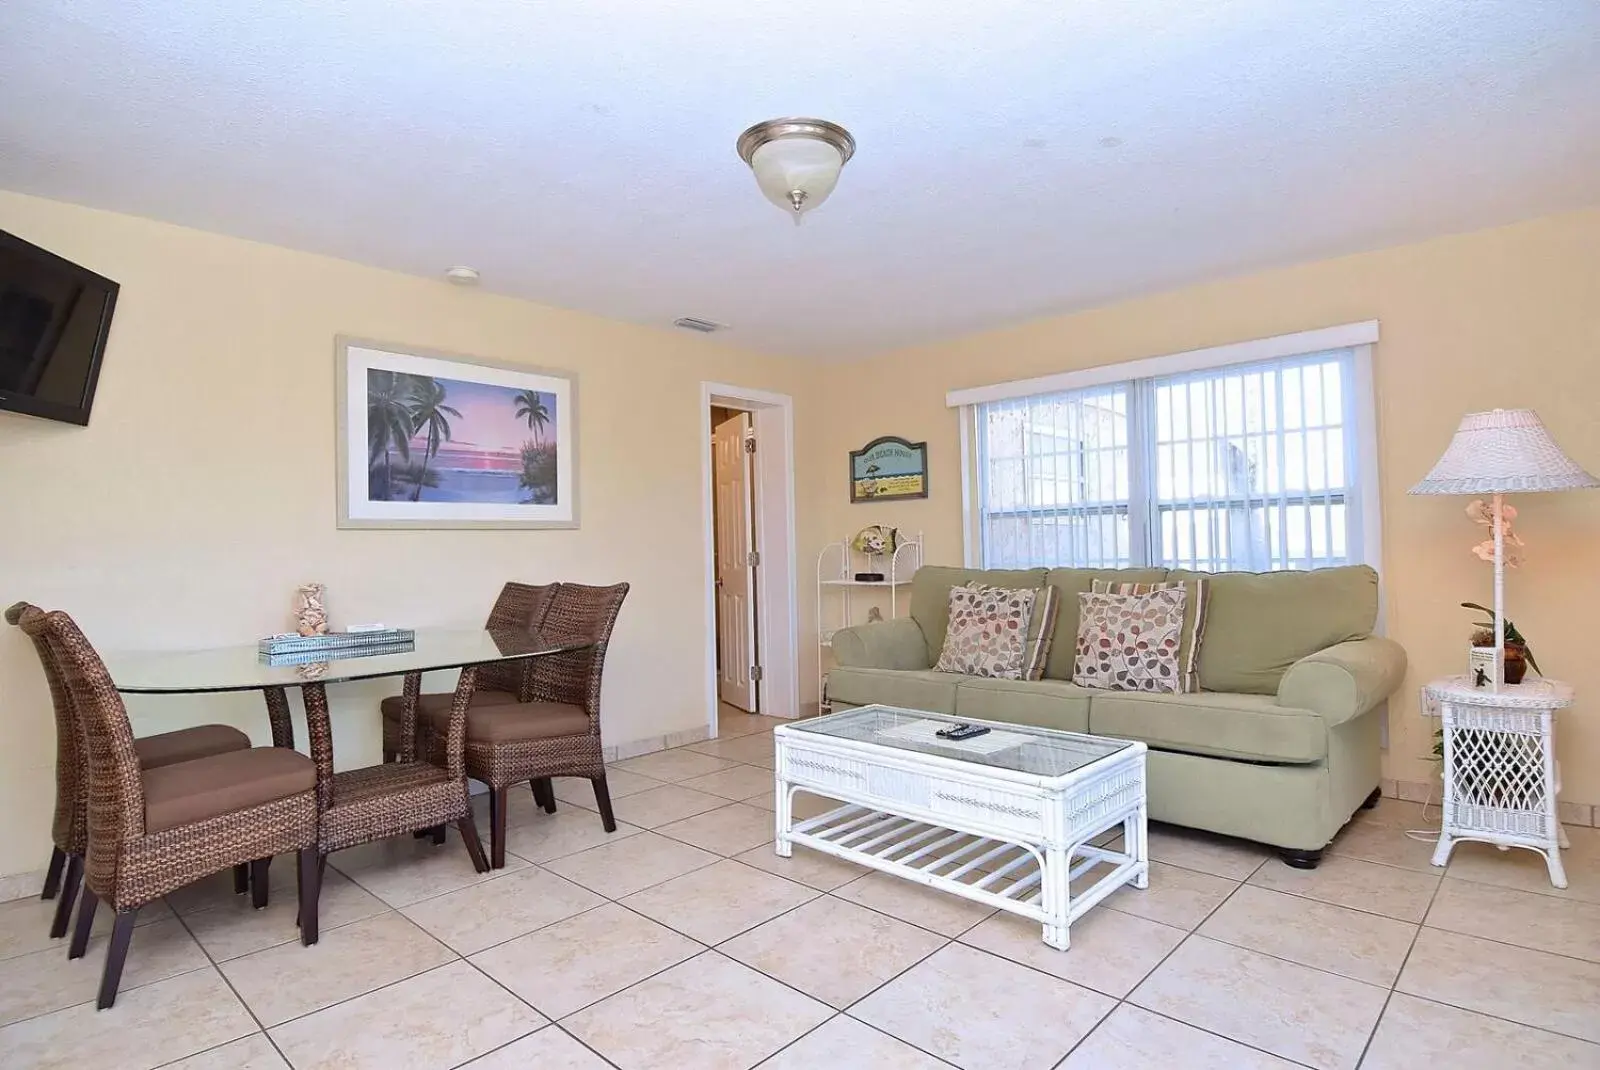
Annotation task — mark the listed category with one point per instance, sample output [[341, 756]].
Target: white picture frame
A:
[[469, 462]]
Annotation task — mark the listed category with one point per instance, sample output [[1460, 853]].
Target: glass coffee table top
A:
[[1020, 748]]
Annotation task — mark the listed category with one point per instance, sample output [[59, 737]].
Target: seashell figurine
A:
[[310, 616]]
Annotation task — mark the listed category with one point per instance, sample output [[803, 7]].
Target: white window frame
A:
[[1360, 338]]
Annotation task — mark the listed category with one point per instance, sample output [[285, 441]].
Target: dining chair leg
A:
[[497, 828], [80, 932], [549, 787], [116, 955], [52, 876], [241, 878], [308, 868], [469, 834], [602, 798], [69, 892], [436, 834], [258, 882]]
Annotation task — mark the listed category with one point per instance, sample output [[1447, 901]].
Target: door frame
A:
[[777, 583]]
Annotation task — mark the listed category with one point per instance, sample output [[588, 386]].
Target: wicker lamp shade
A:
[[1504, 451]]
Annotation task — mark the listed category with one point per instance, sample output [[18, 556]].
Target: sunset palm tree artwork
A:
[[531, 407], [430, 415], [432, 439], [389, 428]]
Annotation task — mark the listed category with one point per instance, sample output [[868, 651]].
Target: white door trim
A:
[[777, 585]]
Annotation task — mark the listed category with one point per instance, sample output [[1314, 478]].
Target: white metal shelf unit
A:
[[837, 604]]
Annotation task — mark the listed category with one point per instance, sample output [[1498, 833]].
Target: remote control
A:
[[962, 731]]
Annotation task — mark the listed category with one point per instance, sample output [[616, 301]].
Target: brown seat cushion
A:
[[515, 721], [192, 791], [187, 744], [440, 703]]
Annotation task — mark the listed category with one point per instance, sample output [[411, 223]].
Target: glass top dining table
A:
[[242, 667]]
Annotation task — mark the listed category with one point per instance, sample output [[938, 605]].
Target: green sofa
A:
[[1280, 745]]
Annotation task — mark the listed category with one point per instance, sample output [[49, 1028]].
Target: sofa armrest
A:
[[884, 644], [1346, 680]]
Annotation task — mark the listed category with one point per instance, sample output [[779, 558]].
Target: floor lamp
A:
[[1500, 452]]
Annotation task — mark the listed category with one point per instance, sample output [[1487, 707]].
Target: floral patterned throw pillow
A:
[[988, 633], [1130, 642]]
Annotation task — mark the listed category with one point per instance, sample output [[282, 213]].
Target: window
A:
[[1254, 464]]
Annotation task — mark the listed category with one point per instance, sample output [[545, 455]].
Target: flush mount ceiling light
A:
[[796, 161]]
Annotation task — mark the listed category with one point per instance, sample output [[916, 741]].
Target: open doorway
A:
[[752, 670]]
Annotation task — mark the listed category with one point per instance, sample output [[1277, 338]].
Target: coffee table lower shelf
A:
[[1011, 875]]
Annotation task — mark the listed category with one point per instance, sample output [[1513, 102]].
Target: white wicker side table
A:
[[1500, 774]]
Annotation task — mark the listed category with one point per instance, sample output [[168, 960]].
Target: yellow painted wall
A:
[[1507, 317], [203, 490]]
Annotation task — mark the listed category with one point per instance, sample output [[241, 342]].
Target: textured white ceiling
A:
[[1017, 157]]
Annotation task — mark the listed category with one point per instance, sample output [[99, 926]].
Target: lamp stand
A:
[[1499, 595]]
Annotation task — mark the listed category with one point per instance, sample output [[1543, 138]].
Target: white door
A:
[[736, 606]]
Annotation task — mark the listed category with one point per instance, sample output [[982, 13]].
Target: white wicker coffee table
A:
[[1005, 819]]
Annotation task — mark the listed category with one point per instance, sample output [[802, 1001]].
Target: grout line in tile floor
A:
[[551, 1023], [216, 966], [1190, 932], [948, 940], [1372, 1034]]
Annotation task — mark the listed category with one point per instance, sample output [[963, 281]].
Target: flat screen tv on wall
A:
[[54, 317]]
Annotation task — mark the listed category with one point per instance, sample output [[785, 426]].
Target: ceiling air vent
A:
[[689, 323]]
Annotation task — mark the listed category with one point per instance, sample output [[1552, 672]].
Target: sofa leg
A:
[[1372, 800], [1300, 859]]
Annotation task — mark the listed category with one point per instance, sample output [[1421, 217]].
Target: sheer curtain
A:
[[1242, 467]]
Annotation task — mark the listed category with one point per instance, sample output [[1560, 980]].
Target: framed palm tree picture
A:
[[431, 440]]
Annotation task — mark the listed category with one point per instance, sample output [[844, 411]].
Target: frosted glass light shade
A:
[[797, 173], [1501, 452], [796, 161]]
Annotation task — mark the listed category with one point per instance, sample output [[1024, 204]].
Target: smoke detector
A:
[[690, 323], [462, 275]]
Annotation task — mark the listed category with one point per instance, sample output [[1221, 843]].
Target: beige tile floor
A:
[[682, 942]]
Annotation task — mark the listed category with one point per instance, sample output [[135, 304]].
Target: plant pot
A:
[[1516, 662]]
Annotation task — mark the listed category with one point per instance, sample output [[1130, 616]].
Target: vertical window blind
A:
[[1250, 466]]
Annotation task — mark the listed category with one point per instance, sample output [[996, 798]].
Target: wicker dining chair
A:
[[521, 606], [557, 731], [152, 831], [418, 794], [70, 829]]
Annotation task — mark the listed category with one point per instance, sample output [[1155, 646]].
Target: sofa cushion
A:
[[919, 689], [1045, 703], [1071, 582], [930, 595], [988, 631], [1260, 623], [1251, 727]]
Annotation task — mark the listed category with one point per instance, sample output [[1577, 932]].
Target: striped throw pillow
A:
[[1197, 594], [1041, 632]]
